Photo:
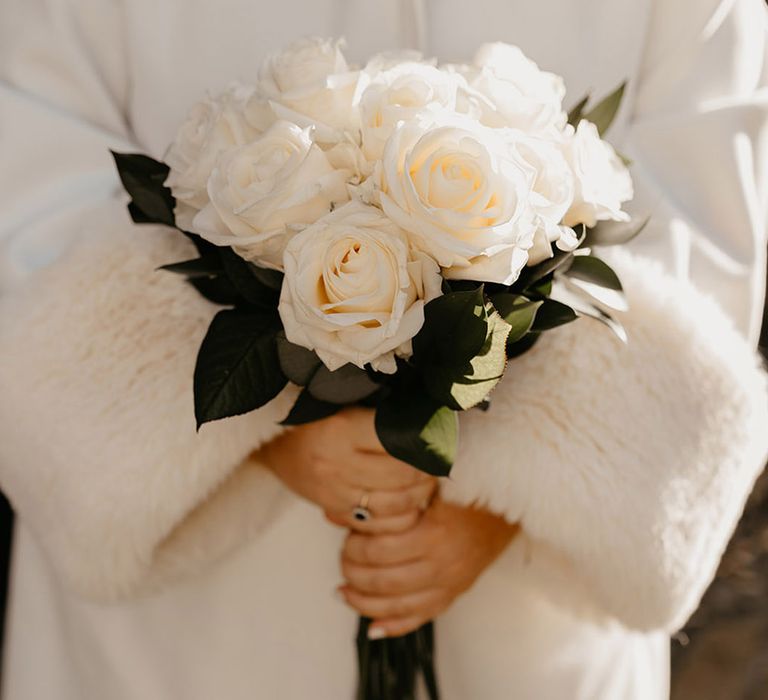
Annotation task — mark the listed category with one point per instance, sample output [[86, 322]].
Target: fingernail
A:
[[375, 633], [339, 593]]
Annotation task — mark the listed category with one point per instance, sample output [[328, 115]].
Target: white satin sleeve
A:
[[98, 450], [698, 139]]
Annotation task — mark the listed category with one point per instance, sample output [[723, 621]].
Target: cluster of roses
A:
[[368, 187]]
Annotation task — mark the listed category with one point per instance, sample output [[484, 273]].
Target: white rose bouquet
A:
[[389, 236]]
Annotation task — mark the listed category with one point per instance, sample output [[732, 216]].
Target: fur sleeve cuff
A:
[[98, 448], [631, 463]]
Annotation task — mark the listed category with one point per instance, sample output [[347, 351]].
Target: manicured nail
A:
[[339, 593], [375, 633]]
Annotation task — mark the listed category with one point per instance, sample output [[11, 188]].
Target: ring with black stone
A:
[[360, 512]]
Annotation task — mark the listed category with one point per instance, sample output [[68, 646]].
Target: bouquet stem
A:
[[389, 668]]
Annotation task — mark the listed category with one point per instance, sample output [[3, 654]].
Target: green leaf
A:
[[269, 278], [416, 429], [552, 314], [486, 368], [193, 269], [576, 112], [603, 114], [297, 363], [217, 290], [455, 328], [531, 275], [205, 249], [308, 409], [346, 385], [523, 345], [143, 178], [575, 292], [518, 311], [241, 274], [606, 319], [237, 369], [608, 233], [595, 271], [465, 385]]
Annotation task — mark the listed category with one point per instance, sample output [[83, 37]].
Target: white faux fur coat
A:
[[627, 466]]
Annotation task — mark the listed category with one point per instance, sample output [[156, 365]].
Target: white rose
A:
[[551, 196], [213, 125], [603, 182], [398, 94], [310, 83], [508, 89], [280, 180], [462, 193], [354, 291]]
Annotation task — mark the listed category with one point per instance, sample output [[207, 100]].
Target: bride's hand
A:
[[404, 580], [338, 462]]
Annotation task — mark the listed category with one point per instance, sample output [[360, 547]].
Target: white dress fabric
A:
[[153, 563]]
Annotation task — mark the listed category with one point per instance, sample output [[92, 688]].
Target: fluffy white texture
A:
[[462, 193], [634, 466], [628, 473], [257, 191], [213, 125], [101, 355], [354, 291]]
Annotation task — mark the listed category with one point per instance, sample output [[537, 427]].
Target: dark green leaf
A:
[[237, 369], [346, 385], [608, 233], [575, 292], [531, 275], [241, 274], [308, 409], [297, 363], [218, 290], [269, 278], [576, 112], [205, 249], [199, 267], [455, 328], [518, 311], [603, 114], [463, 390], [523, 345], [143, 178], [552, 314], [593, 270], [414, 428]]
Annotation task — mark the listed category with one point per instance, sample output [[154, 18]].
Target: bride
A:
[[152, 563]]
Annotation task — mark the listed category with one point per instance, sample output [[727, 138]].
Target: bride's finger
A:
[[426, 603], [398, 627], [389, 503], [387, 549], [389, 580], [381, 472], [375, 525]]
